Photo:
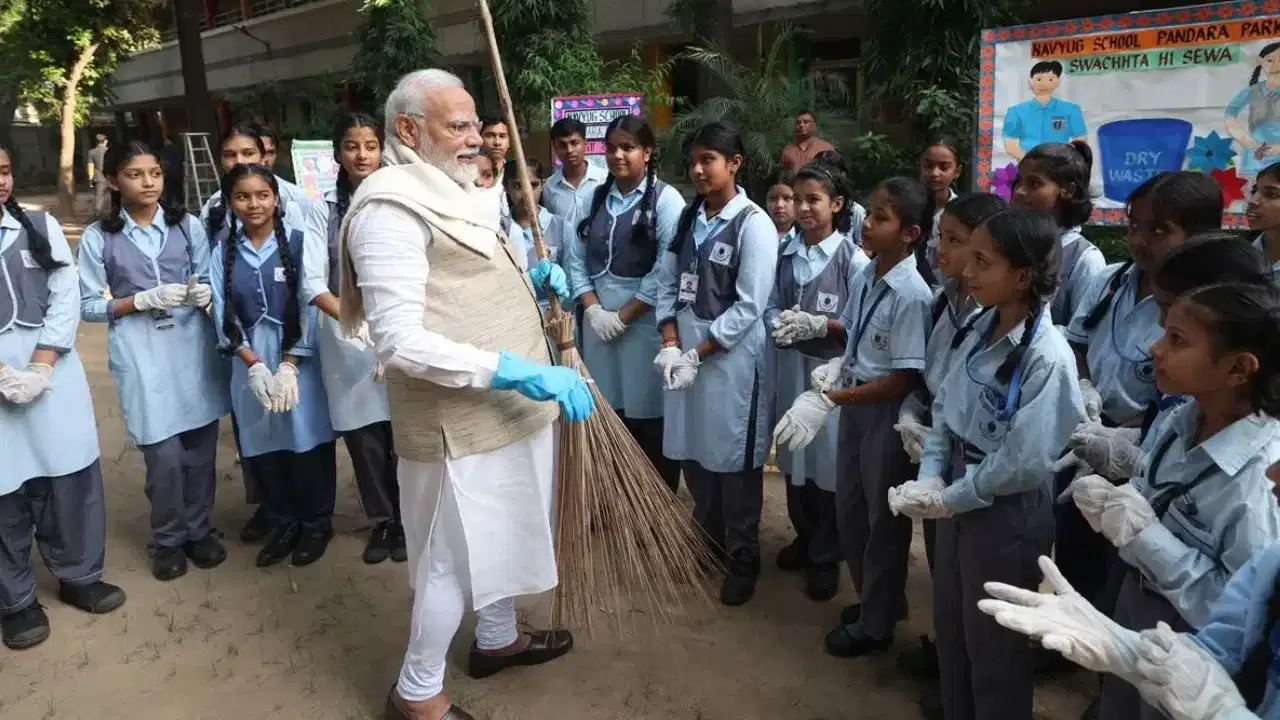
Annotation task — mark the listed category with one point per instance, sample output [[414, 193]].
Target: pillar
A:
[[122, 127], [660, 113]]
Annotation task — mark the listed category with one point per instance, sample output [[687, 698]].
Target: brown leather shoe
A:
[[393, 711], [544, 646]]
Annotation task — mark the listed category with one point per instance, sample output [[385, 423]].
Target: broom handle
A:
[[522, 166]]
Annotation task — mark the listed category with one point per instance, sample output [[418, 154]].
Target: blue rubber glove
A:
[[547, 274], [546, 382]]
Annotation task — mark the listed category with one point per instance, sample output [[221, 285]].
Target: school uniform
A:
[[169, 378], [1216, 510], [571, 203], [50, 477], [792, 233], [935, 233], [1082, 263], [358, 408], [886, 319], [608, 261], [716, 285], [291, 454], [1260, 242], [818, 280], [993, 444], [557, 235]]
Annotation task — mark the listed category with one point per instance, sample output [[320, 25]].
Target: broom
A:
[[622, 537]]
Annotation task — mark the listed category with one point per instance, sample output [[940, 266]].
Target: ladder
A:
[[200, 176]]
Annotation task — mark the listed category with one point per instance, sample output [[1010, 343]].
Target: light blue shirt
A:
[[667, 209], [1119, 346], [570, 203], [1239, 623], [809, 263], [314, 281], [1261, 243], [937, 350], [791, 234], [1016, 452], [893, 330], [294, 195], [94, 284], [1032, 124], [1223, 509], [1075, 281], [61, 319]]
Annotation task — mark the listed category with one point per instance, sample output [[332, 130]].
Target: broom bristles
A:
[[624, 541]]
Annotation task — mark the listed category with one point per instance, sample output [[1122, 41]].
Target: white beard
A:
[[465, 174]]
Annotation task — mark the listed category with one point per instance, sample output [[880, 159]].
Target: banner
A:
[[1188, 88], [313, 167], [596, 112]]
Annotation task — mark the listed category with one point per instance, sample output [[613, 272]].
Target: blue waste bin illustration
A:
[[1135, 150]]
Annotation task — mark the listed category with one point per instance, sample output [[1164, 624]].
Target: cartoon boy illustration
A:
[[1044, 118]]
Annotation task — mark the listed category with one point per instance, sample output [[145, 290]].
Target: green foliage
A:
[[396, 38], [762, 103]]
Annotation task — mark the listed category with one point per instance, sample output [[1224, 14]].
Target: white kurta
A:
[[503, 497]]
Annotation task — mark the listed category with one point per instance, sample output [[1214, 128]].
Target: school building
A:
[[277, 44]]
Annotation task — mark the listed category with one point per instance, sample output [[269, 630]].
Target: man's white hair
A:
[[410, 93]]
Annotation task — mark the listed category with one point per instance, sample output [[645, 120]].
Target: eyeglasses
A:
[[459, 128]]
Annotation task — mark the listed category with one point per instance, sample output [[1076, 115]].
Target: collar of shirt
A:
[[790, 235], [331, 195], [951, 288], [1260, 242], [619, 202], [246, 244], [595, 173], [157, 223], [739, 202], [11, 222], [899, 275], [1013, 338], [1232, 447], [824, 249]]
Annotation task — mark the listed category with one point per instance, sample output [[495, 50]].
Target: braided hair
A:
[[350, 121], [1029, 240], [646, 230], [37, 242], [292, 313], [831, 176], [718, 137], [118, 158]]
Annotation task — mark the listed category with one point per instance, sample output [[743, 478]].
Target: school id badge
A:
[[688, 288], [163, 319]]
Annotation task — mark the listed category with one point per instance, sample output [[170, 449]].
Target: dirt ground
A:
[[325, 642]]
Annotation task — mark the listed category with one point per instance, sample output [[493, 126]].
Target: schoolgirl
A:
[[145, 271], [885, 322], [857, 213], [714, 285], [814, 272], [277, 392], [1204, 504], [291, 192], [1054, 178], [613, 271], [243, 145], [50, 477], [357, 401], [781, 203], [1264, 216], [1001, 417], [940, 168], [555, 231]]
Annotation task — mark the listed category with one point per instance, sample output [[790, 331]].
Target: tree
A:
[[195, 84], [397, 37], [15, 69], [74, 47]]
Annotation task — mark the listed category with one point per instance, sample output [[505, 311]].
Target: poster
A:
[[1193, 88], [313, 167], [596, 112]]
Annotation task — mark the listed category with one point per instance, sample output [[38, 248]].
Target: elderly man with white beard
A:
[[472, 391]]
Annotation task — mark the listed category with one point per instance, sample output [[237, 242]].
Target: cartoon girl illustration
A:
[[1260, 139]]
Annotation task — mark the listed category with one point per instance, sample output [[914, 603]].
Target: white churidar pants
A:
[[476, 528]]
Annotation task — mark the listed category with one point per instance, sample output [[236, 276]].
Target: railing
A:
[[257, 8]]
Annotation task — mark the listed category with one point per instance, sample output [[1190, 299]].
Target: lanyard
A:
[[1011, 400], [865, 319], [1163, 502], [1143, 357]]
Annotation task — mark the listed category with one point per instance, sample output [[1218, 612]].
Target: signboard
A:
[[596, 112], [313, 167], [1189, 88]]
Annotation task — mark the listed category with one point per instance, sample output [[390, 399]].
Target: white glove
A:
[[1111, 452], [1063, 621], [1125, 514], [165, 297], [605, 323], [795, 325], [913, 434], [199, 295], [1090, 493], [665, 358], [1182, 678], [919, 499], [285, 396], [680, 374], [824, 378], [262, 384], [802, 422], [23, 387], [1092, 400]]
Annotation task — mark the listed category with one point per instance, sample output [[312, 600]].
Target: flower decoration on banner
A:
[[1002, 183], [1232, 185], [1210, 153]]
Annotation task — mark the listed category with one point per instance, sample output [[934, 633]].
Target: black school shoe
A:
[[821, 581], [25, 628], [921, 662], [399, 553], [851, 614], [280, 545], [740, 584], [207, 552], [311, 546], [794, 557], [381, 540], [257, 529], [845, 642], [168, 563], [98, 598]]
